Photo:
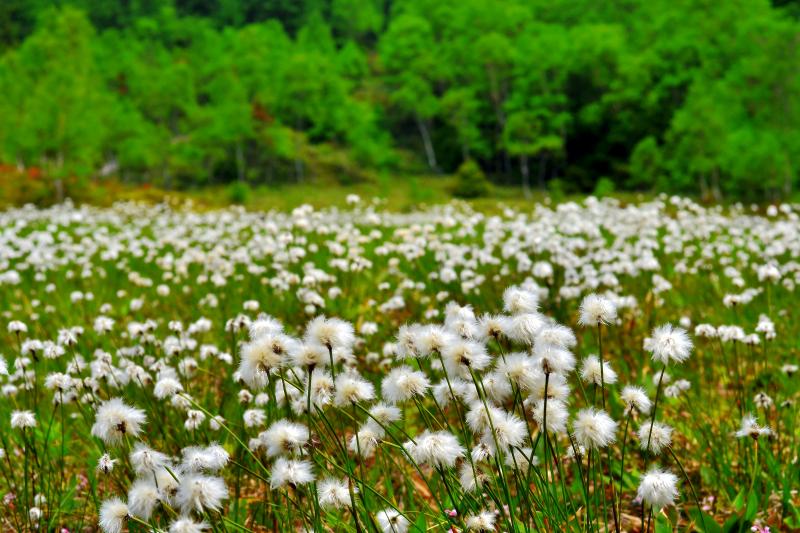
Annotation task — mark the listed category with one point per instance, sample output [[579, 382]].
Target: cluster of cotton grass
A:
[[136, 397], [480, 409]]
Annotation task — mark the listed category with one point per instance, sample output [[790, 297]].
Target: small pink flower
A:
[[760, 529], [452, 513]]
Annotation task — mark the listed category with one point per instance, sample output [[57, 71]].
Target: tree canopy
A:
[[677, 95]]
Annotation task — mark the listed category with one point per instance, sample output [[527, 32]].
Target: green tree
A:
[[408, 52]]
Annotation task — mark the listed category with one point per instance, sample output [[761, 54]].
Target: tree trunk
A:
[[526, 175], [59, 184], [715, 190], [239, 161], [542, 170], [787, 184], [703, 187], [430, 152]]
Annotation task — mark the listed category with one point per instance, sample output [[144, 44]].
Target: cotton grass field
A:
[[582, 367]]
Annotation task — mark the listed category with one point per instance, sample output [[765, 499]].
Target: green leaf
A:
[[663, 525], [734, 523], [421, 525], [752, 506], [738, 502], [711, 525]]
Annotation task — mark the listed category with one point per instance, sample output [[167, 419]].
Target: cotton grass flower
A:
[[187, 525], [593, 428], [635, 399], [310, 355], [404, 383], [596, 310], [352, 389], [262, 355], [524, 328], [115, 420], [517, 301], [211, 458], [506, 430], [23, 419], [440, 449], [654, 437], [366, 440], [750, 428], [658, 488], [284, 437], [463, 356], [105, 464], [201, 493], [591, 372], [668, 343], [145, 460], [290, 472], [333, 493], [143, 497], [330, 332], [557, 415], [391, 521], [254, 418], [385, 414], [113, 515], [482, 522]]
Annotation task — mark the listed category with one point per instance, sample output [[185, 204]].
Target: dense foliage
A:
[[687, 95]]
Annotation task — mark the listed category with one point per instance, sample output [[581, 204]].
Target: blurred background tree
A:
[[674, 95]]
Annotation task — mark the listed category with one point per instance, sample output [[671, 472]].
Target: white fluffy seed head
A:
[[188, 525], [654, 437], [263, 354], [461, 356], [593, 428], [290, 472], [332, 333], [751, 428], [284, 437], [145, 460], [403, 383], [115, 420], [517, 300], [391, 521], [333, 493], [669, 343], [436, 448], [593, 373], [23, 419], [596, 310], [351, 389], [143, 496], [211, 458], [482, 522], [113, 514], [658, 488], [635, 398], [557, 415], [199, 493]]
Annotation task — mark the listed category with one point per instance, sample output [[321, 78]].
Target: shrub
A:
[[471, 182], [238, 192], [603, 187]]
